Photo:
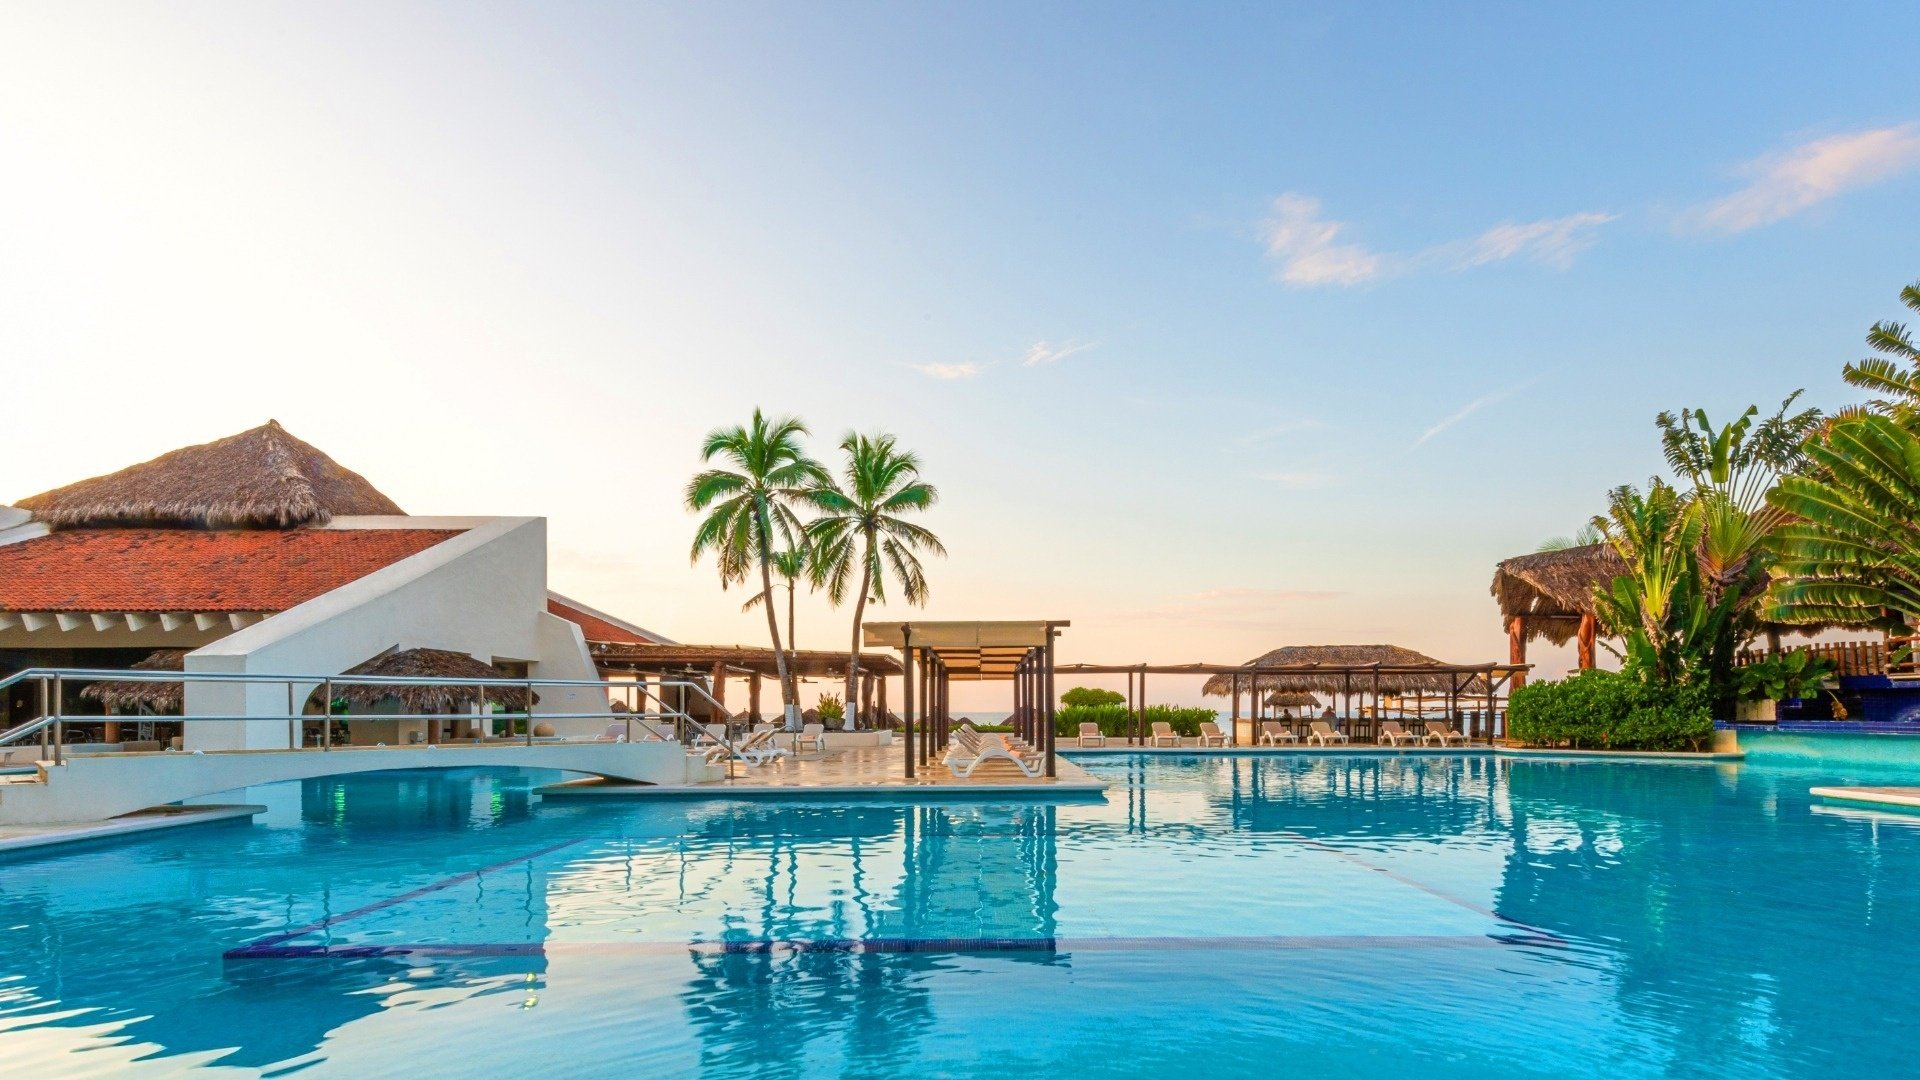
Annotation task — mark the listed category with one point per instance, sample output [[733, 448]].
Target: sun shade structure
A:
[[934, 654], [427, 664], [154, 698], [1549, 594], [1332, 669], [259, 479], [1292, 699]]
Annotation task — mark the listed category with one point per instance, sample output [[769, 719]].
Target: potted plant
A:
[[831, 709], [1789, 676]]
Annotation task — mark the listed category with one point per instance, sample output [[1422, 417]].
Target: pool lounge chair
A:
[[1163, 735], [965, 756], [812, 736], [614, 733], [1090, 734], [1393, 734], [1273, 733], [758, 749], [1211, 735], [1324, 734], [1439, 731]]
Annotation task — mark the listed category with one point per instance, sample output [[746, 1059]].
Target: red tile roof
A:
[[594, 628], [192, 570]]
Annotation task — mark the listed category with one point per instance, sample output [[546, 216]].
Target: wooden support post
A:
[[1047, 712], [1233, 712], [718, 679], [1517, 646], [753, 696], [1589, 630], [906, 696]]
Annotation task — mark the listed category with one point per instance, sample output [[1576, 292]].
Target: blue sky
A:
[[1221, 328]]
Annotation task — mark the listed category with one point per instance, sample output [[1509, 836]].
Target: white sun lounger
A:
[[963, 759], [1163, 735], [811, 737], [1273, 733], [1393, 734], [1324, 734], [1211, 735], [1091, 735], [1439, 731]]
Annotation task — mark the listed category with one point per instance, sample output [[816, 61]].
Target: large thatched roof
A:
[[1553, 589], [1340, 659], [427, 664], [143, 697], [258, 479]]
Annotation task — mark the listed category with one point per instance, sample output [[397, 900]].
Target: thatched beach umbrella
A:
[[258, 479], [427, 664], [152, 698], [1292, 699]]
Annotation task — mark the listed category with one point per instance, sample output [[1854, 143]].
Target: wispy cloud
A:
[[1790, 181], [1268, 434], [1046, 352], [1469, 409], [1554, 241], [1307, 250], [1299, 481], [1307, 246], [950, 371]]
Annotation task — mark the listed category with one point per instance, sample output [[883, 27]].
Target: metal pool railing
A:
[[649, 709]]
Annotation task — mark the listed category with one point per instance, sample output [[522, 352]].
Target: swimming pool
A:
[[1440, 916]]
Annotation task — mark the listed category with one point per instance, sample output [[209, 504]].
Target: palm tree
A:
[[1894, 375], [860, 534], [1853, 555], [790, 564], [749, 507], [1585, 536]]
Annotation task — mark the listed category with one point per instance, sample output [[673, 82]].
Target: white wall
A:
[[482, 592]]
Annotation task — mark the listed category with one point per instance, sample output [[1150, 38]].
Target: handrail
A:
[[53, 679]]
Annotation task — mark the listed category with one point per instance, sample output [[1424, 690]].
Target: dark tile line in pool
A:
[[771, 946], [1539, 935], [412, 894]]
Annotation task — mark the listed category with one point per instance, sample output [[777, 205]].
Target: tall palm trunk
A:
[[788, 692], [853, 652]]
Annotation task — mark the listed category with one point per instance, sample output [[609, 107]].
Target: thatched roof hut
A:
[[153, 698], [1552, 590], [1340, 659], [426, 664], [258, 479]]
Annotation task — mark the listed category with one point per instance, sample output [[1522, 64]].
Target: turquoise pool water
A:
[[1223, 916]]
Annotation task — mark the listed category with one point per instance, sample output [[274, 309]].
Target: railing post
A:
[[44, 726], [59, 735], [326, 713]]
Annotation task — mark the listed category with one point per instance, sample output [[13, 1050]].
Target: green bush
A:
[[1085, 696], [1116, 723], [1603, 710]]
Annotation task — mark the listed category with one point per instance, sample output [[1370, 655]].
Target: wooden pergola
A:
[[1449, 682], [934, 654], [717, 663]]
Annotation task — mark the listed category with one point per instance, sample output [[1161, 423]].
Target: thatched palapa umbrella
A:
[[1292, 699], [149, 698], [427, 664], [259, 479], [1549, 594]]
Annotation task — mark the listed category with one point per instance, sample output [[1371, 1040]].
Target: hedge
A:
[[1604, 710], [1115, 722]]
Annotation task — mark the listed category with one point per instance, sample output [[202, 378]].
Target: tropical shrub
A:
[[1087, 695], [1783, 677], [1116, 723], [831, 708], [1604, 710]]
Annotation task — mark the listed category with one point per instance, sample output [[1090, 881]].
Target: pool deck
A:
[[862, 771], [26, 837], [1905, 798]]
